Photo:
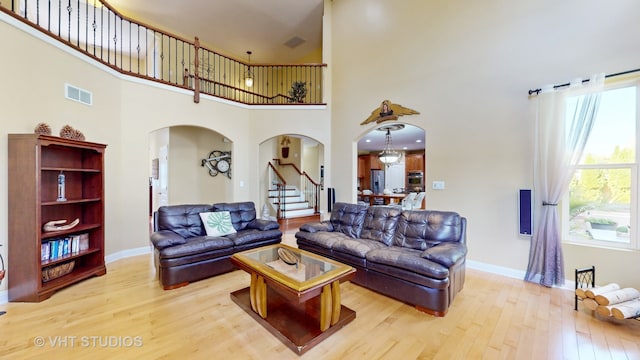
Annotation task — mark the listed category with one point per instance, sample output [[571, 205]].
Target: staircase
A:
[[292, 193], [291, 202]]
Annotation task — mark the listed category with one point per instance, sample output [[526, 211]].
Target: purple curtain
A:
[[560, 137]]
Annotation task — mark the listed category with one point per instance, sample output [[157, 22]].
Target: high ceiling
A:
[[231, 27]]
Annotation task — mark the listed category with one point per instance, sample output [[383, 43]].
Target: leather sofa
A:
[[415, 256], [183, 252]]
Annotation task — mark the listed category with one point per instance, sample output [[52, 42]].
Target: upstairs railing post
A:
[[196, 79]]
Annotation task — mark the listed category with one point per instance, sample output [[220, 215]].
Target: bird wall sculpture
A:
[[388, 111]]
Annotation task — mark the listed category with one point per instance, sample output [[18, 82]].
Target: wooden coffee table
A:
[[298, 299]]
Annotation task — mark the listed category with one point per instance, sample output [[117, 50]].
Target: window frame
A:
[[634, 243]]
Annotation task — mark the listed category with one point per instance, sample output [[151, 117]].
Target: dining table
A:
[[382, 199]]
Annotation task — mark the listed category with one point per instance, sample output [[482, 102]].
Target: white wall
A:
[[190, 183], [466, 67]]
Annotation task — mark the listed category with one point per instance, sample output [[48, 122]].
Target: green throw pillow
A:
[[217, 223]]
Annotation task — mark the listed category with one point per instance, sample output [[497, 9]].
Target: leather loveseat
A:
[[184, 252], [416, 256]]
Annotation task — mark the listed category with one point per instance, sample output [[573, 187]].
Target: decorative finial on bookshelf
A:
[[42, 129]]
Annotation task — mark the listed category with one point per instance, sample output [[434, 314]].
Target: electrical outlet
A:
[[437, 185]]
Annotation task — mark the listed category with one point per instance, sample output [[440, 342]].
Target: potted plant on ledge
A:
[[298, 91]]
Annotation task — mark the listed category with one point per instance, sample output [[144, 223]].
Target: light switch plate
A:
[[437, 185]]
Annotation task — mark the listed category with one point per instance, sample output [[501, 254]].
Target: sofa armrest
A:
[[446, 254], [262, 224], [317, 226], [165, 238]]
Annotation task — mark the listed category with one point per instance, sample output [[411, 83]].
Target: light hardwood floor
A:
[[127, 315]]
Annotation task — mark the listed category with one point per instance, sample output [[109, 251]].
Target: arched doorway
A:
[[401, 177], [292, 182], [177, 175]]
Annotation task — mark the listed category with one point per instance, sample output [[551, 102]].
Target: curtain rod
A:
[[537, 91]]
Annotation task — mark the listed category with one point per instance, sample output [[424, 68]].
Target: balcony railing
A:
[[130, 47]]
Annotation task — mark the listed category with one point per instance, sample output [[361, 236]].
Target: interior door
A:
[[163, 176]]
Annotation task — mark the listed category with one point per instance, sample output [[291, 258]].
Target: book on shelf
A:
[[84, 242], [75, 244], [70, 245], [54, 249], [60, 247], [44, 251]]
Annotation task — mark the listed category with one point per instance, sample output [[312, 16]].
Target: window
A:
[[602, 200]]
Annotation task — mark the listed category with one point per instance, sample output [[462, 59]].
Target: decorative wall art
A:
[[218, 162], [285, 146], [388, 111]]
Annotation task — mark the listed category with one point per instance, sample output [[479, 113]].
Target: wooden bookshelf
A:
[[35, 161]]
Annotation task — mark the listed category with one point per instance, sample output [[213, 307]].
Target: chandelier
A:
[[248, 77], [389, 155]]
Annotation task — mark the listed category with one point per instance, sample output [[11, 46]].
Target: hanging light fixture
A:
[[389, 155], [248, 77]]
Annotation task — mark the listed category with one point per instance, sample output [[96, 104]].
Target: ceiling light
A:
[[248, 77], [388, 154]]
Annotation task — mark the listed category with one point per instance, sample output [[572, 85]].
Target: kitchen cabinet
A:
[[414, 162], [366, 163]]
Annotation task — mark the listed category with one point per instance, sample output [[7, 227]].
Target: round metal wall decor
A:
[[218, 162]]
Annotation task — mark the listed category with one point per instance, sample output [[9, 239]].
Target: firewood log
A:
[[604, 310], [590, 304], [626, 310], [617, 296], [592, 292]]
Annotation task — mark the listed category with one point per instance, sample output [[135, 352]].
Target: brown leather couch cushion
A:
[[348, 218], [423, 229], [380, 223]]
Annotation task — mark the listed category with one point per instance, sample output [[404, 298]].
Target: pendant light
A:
[[248, 78], [389, 155]]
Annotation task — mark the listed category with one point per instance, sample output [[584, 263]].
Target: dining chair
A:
[[417, 201], [407, 201]]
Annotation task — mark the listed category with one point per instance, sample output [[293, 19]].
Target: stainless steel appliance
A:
[[377, 181], [415, 181]]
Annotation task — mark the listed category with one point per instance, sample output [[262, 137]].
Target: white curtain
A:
[[560, 136]]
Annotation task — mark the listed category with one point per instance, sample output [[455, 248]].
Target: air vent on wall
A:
[[76, 94]]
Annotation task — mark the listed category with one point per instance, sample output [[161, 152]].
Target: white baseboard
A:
[[127, 253], [4, 294], [494, 269], [512, 273]]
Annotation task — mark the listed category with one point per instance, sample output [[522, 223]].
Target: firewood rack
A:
[[586, 277]]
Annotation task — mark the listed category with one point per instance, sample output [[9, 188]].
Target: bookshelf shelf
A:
[[77, 229], [65, 258], [77, 201], [35, 162]]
